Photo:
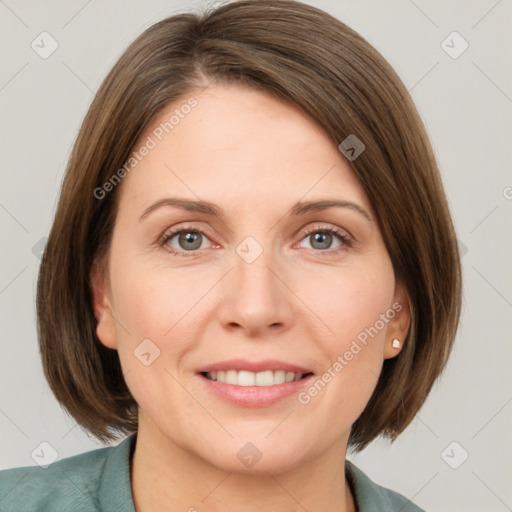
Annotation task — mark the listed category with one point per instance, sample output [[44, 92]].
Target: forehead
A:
[[238, 146]]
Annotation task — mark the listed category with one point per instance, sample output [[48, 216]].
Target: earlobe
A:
[[105, 327], [398, 327]]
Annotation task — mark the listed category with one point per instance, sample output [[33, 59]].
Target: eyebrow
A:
[[299, 208]]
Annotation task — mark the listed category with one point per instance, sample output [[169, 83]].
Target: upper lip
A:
[[253, 366]]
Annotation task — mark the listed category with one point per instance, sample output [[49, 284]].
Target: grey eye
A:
[[188, 240], [324, 240]]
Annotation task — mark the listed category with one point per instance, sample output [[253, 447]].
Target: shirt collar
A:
[[115, 491]]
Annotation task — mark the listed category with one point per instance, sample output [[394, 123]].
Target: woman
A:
[[252, 267]]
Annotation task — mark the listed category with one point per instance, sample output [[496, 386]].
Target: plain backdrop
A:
[[457, 454]]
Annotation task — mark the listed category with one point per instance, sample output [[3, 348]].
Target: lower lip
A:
[[255, 396]]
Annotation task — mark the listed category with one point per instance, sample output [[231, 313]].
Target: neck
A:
[[166, 476]]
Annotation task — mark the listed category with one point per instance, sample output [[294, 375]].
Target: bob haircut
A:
[[309, 59]]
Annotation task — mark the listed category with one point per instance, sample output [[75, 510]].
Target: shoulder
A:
[[371, 497], [71, 483], [74, 483]]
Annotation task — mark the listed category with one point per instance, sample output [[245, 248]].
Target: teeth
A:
[[230, 377], [241, 378], [264, 378], [245, 378]]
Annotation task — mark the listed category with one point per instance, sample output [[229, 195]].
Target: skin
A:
[[299, 301]]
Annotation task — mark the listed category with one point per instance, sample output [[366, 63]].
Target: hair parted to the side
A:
[[309, 59]]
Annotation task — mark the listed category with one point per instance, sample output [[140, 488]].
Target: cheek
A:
[[350, 301], [352, 305], [153, 334], [156, 311], [152, 300]]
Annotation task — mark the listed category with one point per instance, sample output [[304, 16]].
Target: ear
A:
[[100, 289], [398, 326]]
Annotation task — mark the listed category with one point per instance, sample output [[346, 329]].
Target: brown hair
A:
[[309, 59]]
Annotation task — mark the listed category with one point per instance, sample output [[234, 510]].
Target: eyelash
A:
[[346, 241]]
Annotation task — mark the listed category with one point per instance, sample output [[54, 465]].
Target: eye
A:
[[321, 238], [187, 238]]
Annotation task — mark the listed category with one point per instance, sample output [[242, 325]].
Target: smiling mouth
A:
[[247, 378]]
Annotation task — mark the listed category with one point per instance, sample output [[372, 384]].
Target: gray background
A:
[[466, 103]]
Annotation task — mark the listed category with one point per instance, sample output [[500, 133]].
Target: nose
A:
[[255, 297]]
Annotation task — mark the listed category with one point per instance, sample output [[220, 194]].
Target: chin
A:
[[257, 457]]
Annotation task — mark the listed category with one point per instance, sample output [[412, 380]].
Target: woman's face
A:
[[263, 287]]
